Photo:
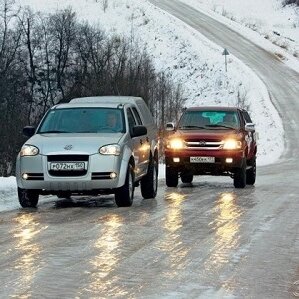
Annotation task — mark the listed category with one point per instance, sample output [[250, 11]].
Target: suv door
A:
[[137, 143], [250, 136]]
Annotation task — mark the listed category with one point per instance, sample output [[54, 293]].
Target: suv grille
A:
[[68, 158], [203, 144]]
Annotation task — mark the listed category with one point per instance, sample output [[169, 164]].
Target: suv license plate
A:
[[67, 166], [202, 159]]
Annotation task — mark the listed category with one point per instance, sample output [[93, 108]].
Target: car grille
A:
[[203, 144], [68, 158], [62, 173]]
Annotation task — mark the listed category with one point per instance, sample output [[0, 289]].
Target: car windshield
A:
[[83, 120], [211, 120]]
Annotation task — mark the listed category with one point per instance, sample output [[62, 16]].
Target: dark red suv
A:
[[211, 141]]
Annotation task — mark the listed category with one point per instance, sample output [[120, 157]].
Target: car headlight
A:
[[176, 144], [111, 149], [29, 150], [232, 144]]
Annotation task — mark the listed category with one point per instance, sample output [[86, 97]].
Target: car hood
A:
[[78, 143]]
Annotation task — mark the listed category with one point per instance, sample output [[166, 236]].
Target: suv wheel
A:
[[187, 178], [172, 178], [251, 172], [28, 198], [240, 176], [124, 195], [149, 183]]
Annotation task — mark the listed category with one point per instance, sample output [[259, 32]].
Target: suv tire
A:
[[251, 172], [125, 194], [28, 198], [240, 176], [187, 178], [149, 183], [172, 178]]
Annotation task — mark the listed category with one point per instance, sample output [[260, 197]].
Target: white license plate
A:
[[67, 166], [202, 159]]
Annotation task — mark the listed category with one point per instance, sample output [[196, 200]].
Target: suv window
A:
[[131, 119], [246, 117], [137, 116]]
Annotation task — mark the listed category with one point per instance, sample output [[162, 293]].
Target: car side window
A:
[[246, 117], [137, 116], [131, 119]]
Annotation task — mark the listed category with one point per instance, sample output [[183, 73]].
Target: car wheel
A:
[[251, 173], [28, 198], [240, 176], [149, 183], [66, 195], [187, 178], [124, 195], [172, 178]]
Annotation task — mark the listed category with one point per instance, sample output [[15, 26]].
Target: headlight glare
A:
[[111, 149], [232, 144], [176, 144], [29, 150]]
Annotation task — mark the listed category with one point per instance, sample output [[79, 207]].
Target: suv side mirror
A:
[[249, 127], [29, 131], [138, 131], [170, 126]]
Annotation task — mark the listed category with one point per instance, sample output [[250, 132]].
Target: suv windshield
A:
[[194, 120], [83, 120]]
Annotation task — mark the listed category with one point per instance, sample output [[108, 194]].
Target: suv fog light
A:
[[176, 160], [113, 175], [229, 160], [25, 176]]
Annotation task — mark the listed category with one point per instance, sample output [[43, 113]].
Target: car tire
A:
[[240, 176], [149, 183], [28, 198], [172, 178], [66, 195], [125, 194], [187, 178], [251, 173]]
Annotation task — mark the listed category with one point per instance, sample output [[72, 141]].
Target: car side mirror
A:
[[250, 127], [138, 131], [170, 126], [29, 131]]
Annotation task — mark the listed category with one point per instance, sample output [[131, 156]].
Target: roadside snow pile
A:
[[273, 21], [8, 194]]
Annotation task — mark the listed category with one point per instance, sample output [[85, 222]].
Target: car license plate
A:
[[202, 159], [67, 166]]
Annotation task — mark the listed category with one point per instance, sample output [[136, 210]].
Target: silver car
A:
[[95, 145]]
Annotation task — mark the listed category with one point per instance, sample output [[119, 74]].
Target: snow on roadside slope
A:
[[267, 23], [188, 57]]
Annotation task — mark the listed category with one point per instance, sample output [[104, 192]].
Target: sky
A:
[[193, 61]]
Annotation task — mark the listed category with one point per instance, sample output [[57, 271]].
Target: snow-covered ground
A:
[[187, 56]]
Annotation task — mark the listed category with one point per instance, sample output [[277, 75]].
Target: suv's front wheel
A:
[[172, 178], [124, 195], [149, 183], [28, 198], [240, 176]]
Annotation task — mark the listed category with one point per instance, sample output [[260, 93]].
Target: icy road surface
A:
[[205, 240]]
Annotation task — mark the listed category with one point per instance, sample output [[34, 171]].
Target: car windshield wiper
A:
[[191, 127], [221, 126], [54, 131]]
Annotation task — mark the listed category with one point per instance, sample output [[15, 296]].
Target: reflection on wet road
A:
[[198, 240]]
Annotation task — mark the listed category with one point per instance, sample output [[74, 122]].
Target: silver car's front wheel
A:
[[125, 194], [28, 198]]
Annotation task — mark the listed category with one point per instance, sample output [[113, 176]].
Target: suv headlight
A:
[[110, 149], [232, 144], [176, 143], [29, 150]]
